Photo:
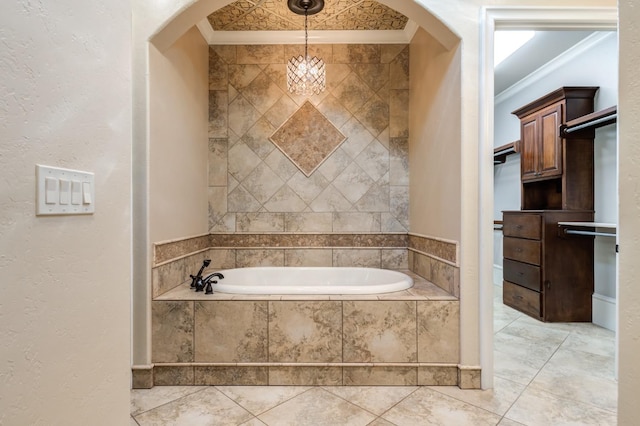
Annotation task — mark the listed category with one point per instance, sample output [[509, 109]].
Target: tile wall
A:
[[360, 186]]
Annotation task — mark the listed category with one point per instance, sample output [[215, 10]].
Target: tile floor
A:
[[545, 374]]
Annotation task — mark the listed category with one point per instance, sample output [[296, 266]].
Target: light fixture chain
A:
[[306, 36]]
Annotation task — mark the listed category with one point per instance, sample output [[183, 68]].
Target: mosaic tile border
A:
[[442, 249], [176, 249]]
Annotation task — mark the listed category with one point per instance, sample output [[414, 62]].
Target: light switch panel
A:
[[64, 191]]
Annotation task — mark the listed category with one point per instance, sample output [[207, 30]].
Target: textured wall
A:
[[65, 100], [362, 186], [629, 154]]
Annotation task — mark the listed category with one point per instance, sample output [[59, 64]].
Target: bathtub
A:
[[311, 280]]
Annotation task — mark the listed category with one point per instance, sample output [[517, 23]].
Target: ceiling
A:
[[274, 15], [542, 48]]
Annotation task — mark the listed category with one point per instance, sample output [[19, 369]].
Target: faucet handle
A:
[[199, 284]]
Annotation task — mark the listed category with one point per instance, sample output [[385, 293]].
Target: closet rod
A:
[[591, 233], [593, 123], [593, 120]]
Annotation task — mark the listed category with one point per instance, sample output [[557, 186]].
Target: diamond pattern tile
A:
[[283, 154], [307, 138]]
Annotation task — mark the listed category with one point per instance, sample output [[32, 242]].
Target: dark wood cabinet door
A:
[[529, 148], [550, 143]]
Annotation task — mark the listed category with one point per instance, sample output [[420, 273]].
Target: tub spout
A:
[[206, 282]]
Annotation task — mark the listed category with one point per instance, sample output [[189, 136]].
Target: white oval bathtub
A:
[[311, 280]]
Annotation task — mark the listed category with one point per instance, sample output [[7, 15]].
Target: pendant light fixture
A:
[[305, 75]]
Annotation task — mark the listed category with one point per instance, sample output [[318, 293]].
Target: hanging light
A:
[[305, 75]]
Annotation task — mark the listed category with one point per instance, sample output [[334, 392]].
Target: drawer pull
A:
[[518, 227], [518, 249]]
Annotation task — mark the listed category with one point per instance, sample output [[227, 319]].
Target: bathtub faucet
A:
[[198, 276], [210, 279]]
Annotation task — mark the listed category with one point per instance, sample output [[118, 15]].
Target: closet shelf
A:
[[500, 153], [590, 121]]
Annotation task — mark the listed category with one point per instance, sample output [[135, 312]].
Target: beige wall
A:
[[178, 138], [434, 142], [65, 100], [629, 184]]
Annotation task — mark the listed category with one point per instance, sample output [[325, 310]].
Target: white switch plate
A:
[[73, 180]]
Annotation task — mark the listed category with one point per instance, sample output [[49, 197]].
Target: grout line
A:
[[173, 400], [397, 403]]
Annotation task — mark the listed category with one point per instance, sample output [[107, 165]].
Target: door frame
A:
[[515, 18]]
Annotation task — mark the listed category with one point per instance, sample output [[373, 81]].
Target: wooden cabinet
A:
[[556, 173], [547, 275], [541, 145]]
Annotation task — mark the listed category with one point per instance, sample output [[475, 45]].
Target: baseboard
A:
[[604, 311]]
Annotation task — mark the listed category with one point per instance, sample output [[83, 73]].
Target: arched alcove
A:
[[439, 138]]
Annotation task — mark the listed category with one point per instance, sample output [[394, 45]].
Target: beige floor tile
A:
[[497, 400], [592, 341], [253, 422], [258, 399], [132, 422], [504, 316], [535, 332], [317, 407], [208, 406], [580, 376], [376, 399], [533, 352], [514, 368], [583, 363], [146, 399], [536, 407], [381, 422], [428, 407], [507, 422]]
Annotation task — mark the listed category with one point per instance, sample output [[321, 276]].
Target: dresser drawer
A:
[[523, 274], [522, 299], [522, 250], [522, 226]]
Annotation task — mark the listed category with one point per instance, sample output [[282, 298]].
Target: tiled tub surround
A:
[[265, 176], [404, 338], [185, 323], [436, 260]]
